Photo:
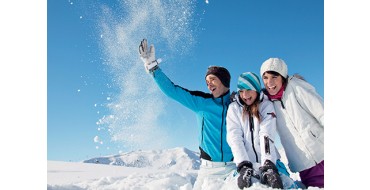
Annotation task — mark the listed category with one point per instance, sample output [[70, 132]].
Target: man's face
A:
[[215, 86]]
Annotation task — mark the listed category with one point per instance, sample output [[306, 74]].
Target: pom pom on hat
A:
[[221, 73], [275, 64], [249, 81]]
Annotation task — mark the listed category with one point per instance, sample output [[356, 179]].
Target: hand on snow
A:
[[270, 175], [148, 56], [245, 170]]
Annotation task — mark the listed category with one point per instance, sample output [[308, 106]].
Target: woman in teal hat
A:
[[251, 131]]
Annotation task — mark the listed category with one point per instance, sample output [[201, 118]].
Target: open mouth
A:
[[247, 99]]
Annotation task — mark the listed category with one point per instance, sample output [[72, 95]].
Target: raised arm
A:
[[190, 99]]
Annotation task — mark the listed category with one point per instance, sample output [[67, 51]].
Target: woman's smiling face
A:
[[273, 83], [248, 96]]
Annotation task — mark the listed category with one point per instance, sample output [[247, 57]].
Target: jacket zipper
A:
[[222, 122], [251, 128], [202, 129]]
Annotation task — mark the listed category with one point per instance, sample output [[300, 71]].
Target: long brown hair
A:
[[252, 109]]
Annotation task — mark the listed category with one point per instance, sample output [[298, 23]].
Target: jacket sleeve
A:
[[176, 92], [309, 99], [235, 134], [267, 132]]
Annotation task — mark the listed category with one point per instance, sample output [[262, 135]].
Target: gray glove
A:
[[246, 173], [270, 175], [148, 56]]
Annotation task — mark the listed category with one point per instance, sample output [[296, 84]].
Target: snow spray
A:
[[134, 111]]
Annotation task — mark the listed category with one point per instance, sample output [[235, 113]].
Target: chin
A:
[[272, 92]]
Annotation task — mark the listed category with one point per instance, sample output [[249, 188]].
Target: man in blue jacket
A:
[[210, 108]]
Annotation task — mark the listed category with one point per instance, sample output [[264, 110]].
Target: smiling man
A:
[[218, 80], [210, 109]]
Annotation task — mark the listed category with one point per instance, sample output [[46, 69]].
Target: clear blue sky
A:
[[100, 101]]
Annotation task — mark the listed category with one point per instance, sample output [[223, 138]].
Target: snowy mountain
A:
[[177, 158]]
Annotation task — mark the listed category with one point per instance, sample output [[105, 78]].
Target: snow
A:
[[174, 168]]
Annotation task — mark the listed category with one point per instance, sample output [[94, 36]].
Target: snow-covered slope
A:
[[175, 168], [177, 158]]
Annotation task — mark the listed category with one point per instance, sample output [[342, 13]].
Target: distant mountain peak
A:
[[175, 158]]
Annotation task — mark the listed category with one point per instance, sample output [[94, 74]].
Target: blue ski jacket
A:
[[210, 113]]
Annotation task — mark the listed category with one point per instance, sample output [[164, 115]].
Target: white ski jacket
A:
[[300, 124], [254, 144]]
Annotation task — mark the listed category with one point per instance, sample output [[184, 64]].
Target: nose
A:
[[268, 81]]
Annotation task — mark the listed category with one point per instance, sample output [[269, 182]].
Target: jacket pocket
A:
[[316, 134]]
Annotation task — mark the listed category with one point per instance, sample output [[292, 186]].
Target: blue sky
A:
[[100, 100]]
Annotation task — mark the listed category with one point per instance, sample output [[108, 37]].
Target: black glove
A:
[[245, 170], [270, 175]]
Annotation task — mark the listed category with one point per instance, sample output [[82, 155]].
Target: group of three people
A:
[[237, 130]]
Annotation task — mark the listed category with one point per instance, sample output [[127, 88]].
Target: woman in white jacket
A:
[[251, 129], [300, 120]]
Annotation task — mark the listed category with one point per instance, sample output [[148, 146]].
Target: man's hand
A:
[[148, 56]]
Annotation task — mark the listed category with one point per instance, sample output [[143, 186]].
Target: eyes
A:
[[265, 77], [210, 80], [244, 91]]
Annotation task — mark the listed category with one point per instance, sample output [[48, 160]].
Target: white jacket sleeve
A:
[[234, 135], [309, 99], [267, 132]]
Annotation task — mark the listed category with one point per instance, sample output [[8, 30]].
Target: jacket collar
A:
[[225, 98]]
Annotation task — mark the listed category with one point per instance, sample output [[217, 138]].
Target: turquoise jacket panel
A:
[[210, 113]]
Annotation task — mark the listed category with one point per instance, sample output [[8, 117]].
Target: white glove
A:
[[148, 56]]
